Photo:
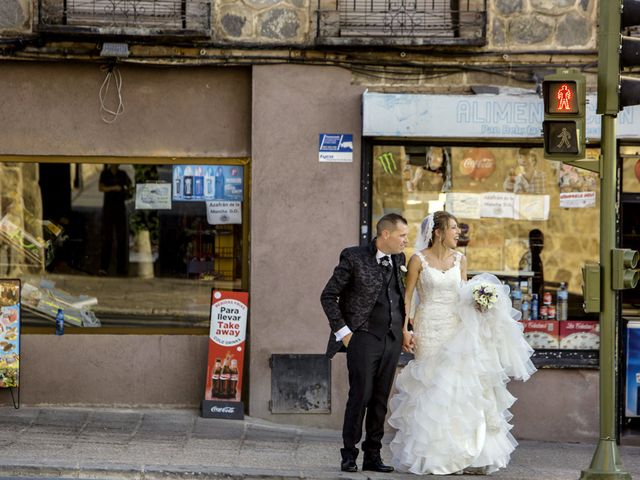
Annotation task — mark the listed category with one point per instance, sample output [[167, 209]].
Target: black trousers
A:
[[372, 365], [114, 222]]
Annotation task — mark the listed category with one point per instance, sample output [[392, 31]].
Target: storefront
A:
[[125, 224], [530, 221]]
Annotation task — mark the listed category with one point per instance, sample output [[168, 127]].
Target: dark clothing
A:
[[114, 220], [370, 300], [352, 291]]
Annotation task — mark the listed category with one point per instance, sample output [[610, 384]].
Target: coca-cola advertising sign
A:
[[222, 397]]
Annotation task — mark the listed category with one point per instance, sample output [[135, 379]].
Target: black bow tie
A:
[[386, 261]]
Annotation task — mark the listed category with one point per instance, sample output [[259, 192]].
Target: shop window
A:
[[530, 221], [135, 245]]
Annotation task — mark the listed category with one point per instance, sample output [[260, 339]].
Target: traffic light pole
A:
[[606, 463]]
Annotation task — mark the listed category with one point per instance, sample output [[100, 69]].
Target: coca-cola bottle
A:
[[233, 380], [225, 377], [215, 378]]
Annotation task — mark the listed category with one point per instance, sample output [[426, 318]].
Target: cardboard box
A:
[[542, 333], [580, 334]]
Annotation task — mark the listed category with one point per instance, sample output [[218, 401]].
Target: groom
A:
[[364, 302]]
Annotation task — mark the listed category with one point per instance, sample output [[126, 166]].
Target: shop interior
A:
[[122, 245]]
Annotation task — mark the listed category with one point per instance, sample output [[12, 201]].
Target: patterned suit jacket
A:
[[352, 291]]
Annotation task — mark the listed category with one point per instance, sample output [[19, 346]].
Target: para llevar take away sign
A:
[[336, 147]]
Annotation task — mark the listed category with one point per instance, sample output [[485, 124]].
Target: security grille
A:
[[125, 16], [412, 18]]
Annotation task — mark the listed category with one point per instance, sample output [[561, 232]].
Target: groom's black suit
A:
[[370, 301]]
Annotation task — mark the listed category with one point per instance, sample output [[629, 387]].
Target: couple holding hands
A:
[[450, 405]]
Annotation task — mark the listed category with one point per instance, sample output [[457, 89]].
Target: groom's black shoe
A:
[[375, 464], [349, 465]]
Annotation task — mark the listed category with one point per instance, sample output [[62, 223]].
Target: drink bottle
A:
[[535, 314], [60, 322], [215, 378], [233, 380], [562, 309], [225, 377]]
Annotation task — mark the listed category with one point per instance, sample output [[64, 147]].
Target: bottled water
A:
[[534, 307], [60, 322], [562, 309]]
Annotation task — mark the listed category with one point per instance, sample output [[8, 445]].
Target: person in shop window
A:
[[530, 179], [116, 186], [450, 410]]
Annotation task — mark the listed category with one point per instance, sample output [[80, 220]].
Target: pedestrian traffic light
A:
[[563, 128], [624, 262], [616, 52]]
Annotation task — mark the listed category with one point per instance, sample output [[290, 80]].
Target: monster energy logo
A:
[[387, 162]]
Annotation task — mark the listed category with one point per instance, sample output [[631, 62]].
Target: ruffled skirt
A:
[[451, 409]]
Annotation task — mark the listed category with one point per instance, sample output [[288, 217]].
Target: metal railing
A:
[[125, 16], [460, 21]]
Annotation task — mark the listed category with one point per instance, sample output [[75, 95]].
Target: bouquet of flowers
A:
[[485, 295]]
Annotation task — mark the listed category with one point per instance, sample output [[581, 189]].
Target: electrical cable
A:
[[113, 74]]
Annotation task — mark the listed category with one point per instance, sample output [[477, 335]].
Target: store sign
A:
[[9, 333], [335, 147], [222, 397], [578, 200], [474, 116], [197, 183]]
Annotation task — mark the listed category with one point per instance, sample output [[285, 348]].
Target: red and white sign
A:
[[226, 345]]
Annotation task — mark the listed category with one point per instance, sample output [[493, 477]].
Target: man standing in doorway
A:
[[116, 185], [364, 302]]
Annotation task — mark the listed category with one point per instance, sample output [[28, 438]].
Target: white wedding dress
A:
[[451, 405]]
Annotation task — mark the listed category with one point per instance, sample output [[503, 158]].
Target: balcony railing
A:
[[125, 17], [419, 22]]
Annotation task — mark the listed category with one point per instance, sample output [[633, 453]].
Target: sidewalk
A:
[[179, 444]]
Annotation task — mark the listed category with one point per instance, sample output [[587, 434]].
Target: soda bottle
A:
[[215, 378], [60, 322], [551, 312], [535, 315], [233, 380], [562, 309], [544, 312], [225, 376]]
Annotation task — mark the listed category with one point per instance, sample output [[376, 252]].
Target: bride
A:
[[451, 406]]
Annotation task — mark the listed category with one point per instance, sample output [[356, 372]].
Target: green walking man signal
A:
[[564, 126]]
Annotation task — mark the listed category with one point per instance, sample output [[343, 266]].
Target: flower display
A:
[[485, 295]]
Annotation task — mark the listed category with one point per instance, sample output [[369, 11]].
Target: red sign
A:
[[226, 345]]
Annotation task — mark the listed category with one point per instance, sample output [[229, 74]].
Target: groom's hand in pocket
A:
[[346, 339]]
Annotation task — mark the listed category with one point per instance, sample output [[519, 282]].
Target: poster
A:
[[153, 196], [498, 205], [198, 183], [221, 213], [222, 397], [9, 333], [464, 205], [532, 207]]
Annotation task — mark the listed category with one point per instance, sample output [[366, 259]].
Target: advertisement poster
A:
[[9, 333], [498, 205], [632, 403], [464, 205], [222, 396], [198, 183]]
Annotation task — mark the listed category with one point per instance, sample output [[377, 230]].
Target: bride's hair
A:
[[435, 221]]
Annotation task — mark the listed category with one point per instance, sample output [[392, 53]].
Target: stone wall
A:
[[15, 17]]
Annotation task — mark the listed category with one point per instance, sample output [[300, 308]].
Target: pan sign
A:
[[336, 147]]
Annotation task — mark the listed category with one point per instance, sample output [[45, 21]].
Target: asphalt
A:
[[164, 444]]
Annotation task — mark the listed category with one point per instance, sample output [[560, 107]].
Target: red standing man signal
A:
[[564, 95]]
